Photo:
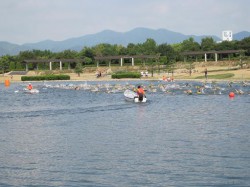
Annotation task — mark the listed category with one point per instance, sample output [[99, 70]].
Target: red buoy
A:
[[231, 94]]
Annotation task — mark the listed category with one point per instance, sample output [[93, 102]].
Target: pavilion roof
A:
[[51, 60], [210, 52], [125, 56]]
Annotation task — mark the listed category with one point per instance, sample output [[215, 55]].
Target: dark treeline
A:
[[169, 54]]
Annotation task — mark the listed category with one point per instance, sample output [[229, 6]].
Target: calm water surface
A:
[[63, 137]]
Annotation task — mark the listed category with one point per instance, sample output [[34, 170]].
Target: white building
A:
[[227, 35]]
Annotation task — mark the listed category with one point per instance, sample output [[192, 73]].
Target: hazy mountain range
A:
[[138, 35]]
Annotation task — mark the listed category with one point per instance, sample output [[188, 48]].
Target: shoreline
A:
[[120, 80], [239, 75]]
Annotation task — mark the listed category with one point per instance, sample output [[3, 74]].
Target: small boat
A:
[[132, 96], [32, 91]]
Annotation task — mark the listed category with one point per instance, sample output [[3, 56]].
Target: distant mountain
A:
[[11, 49], [241, 35], [137, 35]]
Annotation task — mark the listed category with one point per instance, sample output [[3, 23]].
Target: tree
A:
[[190, 45], [105, 49], [132, 49], [19, 66], [4, 63], [39, 54], [226, 45], [87, 60], [245, 45], [149, 47], [208, 44], [26, 55], [86, 52], [122, 50], [78, 68], [167, 51], [177, 49], [12, 65], [68, 54]]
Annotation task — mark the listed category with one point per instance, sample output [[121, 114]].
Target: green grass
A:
[[218, 76], [228, 69]]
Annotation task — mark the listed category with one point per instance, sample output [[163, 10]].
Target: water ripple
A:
[[63, 137]]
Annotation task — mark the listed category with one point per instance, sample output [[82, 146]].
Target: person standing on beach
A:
[[205, 73]]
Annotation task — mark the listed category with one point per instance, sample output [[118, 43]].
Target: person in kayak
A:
[[29, 87], [140, 93]]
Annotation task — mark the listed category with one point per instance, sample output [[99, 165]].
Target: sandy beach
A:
[[179, 74]]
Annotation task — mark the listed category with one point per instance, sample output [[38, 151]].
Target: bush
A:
[[45, 77], [121, 75]]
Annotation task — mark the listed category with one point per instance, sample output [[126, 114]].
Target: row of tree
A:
[[169, 54]]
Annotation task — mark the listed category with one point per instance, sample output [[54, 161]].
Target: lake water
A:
[[67, 137]]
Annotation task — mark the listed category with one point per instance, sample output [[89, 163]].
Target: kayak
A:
[[132, 96]]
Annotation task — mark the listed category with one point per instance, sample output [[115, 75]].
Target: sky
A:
[[30, 21]]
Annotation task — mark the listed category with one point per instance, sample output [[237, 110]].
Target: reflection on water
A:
[[67, 137]]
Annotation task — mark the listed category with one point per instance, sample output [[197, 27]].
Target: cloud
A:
[[36, 20]]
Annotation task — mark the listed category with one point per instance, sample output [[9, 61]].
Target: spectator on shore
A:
[[205, 73], [98, 74]]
